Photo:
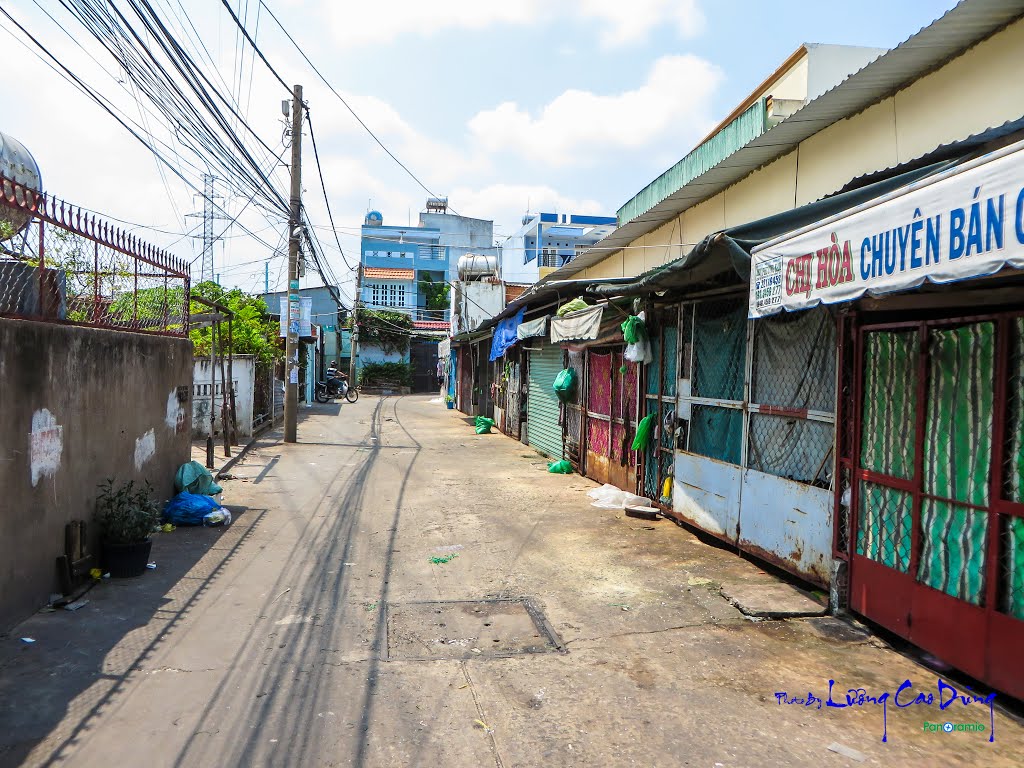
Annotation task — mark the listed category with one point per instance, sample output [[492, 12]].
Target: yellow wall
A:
[[978, 90]]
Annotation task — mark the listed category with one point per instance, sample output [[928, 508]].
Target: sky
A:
[[570, 106]]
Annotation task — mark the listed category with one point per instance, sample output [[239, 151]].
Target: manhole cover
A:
[[466, 629]]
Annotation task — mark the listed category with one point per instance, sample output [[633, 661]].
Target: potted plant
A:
[[126, 516], [449, 401]]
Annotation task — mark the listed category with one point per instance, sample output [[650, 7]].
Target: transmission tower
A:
[[211, 212]]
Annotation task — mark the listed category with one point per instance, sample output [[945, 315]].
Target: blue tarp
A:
[[505, 334]]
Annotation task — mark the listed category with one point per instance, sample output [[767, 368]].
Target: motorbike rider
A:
[[336, 378]]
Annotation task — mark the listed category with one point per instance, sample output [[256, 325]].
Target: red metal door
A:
[[611, 418], [937, 494]]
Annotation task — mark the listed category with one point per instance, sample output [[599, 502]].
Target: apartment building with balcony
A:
[[408, 268]]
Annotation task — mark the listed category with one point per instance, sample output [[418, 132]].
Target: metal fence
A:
[[59, 263], [760, 394]]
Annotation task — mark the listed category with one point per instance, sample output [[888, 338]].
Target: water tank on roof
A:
[[374, 219], [473, 266], [16, 165]]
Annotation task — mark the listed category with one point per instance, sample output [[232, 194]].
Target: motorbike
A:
[[334, 387]]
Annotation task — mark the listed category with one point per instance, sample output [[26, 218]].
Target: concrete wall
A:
[[79, 405], [473, 303], [371, 353], [971, 93], [243, 371]]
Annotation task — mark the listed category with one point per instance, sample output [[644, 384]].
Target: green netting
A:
[[957, 459], [890, 403], [717, 433], [1014, 482], [953, 549], [1012, 601], [958, 426], [884, 525], [720, 349]]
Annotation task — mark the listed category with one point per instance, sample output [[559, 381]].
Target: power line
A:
[[343, 101], [256, 47]]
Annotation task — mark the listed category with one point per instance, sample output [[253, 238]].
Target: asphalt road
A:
[[398, 591]]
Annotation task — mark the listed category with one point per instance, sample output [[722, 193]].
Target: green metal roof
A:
[[745, 128]]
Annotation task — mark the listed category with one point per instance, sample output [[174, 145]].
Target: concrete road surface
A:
[[396, 590]]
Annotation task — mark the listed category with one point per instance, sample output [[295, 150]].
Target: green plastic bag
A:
[[562, 467], [643, 433], [565, 384], [633, 330], [572, 306], [483, 425], [195, 478]]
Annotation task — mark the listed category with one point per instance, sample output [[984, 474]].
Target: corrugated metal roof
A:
[[388, 273], [961, 27]]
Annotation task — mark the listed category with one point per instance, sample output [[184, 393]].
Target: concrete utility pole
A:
[[354, 343], [291, 398]]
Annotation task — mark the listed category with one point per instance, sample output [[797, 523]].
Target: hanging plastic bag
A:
[[562, 467], [643, 433], [483, 425], [638, 345], [565, 384]]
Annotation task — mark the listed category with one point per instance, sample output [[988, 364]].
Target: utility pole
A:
[[354, 343], [291, 397]]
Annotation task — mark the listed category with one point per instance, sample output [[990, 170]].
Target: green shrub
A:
[[379, 374], [126, 514]]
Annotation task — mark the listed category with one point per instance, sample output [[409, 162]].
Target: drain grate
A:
[[467, 629]]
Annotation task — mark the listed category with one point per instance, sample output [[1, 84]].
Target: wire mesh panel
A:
[[573, 412], [60, 264], [1011, 539], [720, 339], [957, 457], [890, 403], [791, 447], [884, 525]]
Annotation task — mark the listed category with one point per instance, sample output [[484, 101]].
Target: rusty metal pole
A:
[[213, 402], [224, 422], [231, 380], [42, 267]]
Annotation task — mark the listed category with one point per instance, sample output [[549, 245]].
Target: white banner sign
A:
[[966, 222], [302, 316]]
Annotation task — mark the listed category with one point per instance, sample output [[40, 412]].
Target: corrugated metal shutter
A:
[[543, 431]]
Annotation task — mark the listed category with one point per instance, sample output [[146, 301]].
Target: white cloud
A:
[[386, 20], [581, 126], [631, 22], [619, 23]]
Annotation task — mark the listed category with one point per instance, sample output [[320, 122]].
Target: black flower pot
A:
[[123, 561]]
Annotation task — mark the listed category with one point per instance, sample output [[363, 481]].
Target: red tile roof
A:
[[387, 273], [430, 325]]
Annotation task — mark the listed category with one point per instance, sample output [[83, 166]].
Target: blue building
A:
[[548, 241], [398, 263]]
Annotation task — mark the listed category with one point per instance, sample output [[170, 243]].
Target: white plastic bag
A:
[[610, 497]]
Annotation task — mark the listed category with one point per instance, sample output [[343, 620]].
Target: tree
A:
[[253, 331], [436, 293], [388, 330]]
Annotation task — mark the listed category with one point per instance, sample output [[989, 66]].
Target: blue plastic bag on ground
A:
[[189, 508]]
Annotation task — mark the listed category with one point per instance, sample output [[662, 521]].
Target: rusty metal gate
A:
[[611, 405], [936, 503], [573, 409], [513, 393]]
